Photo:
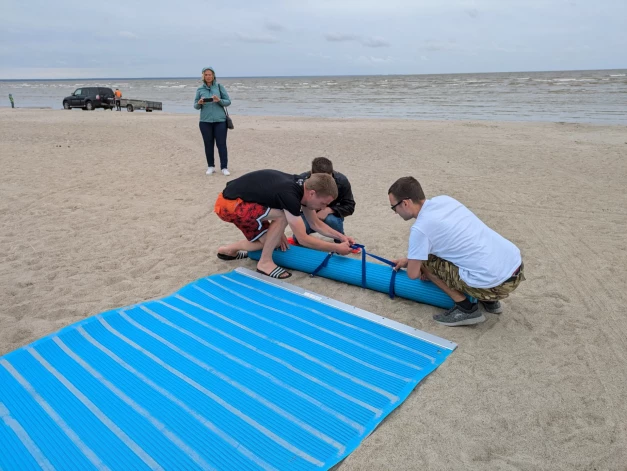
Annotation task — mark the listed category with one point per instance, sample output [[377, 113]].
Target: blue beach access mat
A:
[[233, 372]]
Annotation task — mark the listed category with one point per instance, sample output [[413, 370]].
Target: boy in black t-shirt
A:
[[341, 207], [263, 203]]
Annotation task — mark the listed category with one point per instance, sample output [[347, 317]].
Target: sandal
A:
[[277, 273], [241, 254]]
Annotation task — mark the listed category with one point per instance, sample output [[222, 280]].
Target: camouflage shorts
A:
[[449, 273]]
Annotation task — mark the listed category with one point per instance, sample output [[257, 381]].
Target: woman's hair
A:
[[323, 184]]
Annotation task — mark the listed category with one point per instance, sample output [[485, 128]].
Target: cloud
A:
[[381, 59], [373, 41], [257, 38], [51, 73], [127, 35], [371, 60], [318, 55], [30, 43], [341, 37], [274, 26], [376, 41], [499, 48], [431, 45]]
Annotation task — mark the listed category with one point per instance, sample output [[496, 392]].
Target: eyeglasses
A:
[[393, 207]]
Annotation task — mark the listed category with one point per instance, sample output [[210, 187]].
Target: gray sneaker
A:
[[492, 307], [459, 316]]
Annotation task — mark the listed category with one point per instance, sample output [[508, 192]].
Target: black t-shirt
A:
[[270, 188]]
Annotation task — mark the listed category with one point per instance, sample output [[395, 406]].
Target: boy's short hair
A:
[[323, 184], [407, 188], [321, 165]]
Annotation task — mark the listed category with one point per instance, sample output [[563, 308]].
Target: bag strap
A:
[[220, 91]]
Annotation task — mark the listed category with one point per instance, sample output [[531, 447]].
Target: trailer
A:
[[132, 105]]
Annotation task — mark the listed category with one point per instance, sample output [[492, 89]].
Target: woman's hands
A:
[[213, 98]]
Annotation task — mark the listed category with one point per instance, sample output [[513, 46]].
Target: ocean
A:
[[588, 96]]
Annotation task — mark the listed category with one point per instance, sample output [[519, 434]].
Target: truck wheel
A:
[[66, 106], [129, 108], [89, 106], [148, 110]]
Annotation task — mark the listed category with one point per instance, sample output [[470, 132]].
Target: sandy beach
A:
[[101, 210]]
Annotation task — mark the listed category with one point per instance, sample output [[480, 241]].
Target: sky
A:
[[41, 39]]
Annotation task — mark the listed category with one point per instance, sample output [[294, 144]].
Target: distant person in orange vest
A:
[[118, 95]]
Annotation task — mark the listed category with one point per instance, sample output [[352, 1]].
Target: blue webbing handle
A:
[[392, 279], [384, 260], [363, 267], [363, 262], [324, 263]]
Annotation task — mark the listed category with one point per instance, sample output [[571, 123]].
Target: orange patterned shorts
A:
[[248, 217]]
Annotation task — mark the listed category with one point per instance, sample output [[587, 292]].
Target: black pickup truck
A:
[[90, 98]]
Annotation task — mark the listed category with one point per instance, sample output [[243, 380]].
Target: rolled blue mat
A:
[[349, 270]]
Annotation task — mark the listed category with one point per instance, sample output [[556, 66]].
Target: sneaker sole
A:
[[498, 311], [493, 311], [473, 321]]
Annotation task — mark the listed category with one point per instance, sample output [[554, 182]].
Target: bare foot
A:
[[224, 250]]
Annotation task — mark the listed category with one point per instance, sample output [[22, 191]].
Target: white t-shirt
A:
[[448, 229]]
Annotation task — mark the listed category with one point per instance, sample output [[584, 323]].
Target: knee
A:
[[280, 220], [334, 222]]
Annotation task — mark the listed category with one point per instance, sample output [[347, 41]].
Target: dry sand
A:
[[101, 210]]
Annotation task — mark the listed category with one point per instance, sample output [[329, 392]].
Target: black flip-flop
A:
[[241, 254], [276, 273]]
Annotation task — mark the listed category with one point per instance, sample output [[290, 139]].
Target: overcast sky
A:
[[165, 38]]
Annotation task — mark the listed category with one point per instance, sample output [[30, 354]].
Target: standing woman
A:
[[211, 99]]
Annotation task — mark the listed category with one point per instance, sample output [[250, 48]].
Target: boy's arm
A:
[[300, 232]]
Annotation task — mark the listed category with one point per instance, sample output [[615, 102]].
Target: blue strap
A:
[[363, 267], [384, 260], [392, 280], [363, 250], [363, 262], [324, 263]]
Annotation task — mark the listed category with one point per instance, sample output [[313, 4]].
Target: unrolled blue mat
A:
[[233, 372]]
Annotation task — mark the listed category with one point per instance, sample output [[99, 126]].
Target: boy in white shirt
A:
[[454, 249]]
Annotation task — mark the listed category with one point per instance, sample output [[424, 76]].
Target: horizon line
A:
[[295, 76]]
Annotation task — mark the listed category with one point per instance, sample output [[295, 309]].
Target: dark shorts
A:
[[246, 216], [449, 273]]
